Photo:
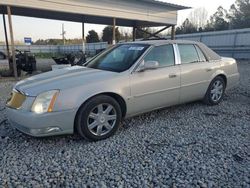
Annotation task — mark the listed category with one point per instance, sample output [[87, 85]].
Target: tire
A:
[[99, 118], [215, 92]]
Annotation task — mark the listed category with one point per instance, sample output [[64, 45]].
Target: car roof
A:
[[162, 42], [210, 54]]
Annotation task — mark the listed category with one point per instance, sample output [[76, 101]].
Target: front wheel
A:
[[99, 118], [215, 92]]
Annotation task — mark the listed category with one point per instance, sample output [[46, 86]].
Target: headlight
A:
[[45, 102]]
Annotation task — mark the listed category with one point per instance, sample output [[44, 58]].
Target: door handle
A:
[[172, 76], [209, 69]]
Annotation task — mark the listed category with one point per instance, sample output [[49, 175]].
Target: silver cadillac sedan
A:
[[126, 80]]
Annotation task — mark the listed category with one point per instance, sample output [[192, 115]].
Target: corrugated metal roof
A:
[[163, 3], [129, 13]]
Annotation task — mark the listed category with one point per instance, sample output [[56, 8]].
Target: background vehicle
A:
[[126, 80], [2, 56], [71, 58], [25, 61]]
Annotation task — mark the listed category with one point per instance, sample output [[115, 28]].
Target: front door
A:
[[156, 88]]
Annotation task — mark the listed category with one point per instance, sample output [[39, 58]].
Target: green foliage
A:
[[107, 34], [238, 17], [92, 37], [239, 14], [57, 41], [218, 21]]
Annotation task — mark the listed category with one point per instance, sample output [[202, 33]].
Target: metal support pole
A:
[[83, 39], [12, 42], [63, 34], [7, 43], [234, 45], [134, 33], [114, 24], [173, 33]]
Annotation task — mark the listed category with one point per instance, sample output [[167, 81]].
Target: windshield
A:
[[118, 59]]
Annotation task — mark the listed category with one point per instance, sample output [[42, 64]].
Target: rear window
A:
[[188, 53]]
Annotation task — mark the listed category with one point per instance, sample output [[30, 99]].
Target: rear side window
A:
[[188, 53], [201, 55], [163, 54]]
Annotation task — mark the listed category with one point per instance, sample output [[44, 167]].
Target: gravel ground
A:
[[191, 145]]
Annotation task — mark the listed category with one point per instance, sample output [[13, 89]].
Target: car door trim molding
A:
[[196, 83], [155, 92]]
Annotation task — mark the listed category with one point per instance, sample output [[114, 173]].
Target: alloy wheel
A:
[[217, 91], [102, 119]]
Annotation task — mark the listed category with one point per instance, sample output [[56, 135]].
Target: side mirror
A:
[[148, 65]]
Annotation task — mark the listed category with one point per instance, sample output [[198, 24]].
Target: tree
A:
[[125, 34], [49, 42], [239, 14], [107, 34], [218, 21], [186, 27], [92, 37], [199, 17], [57, 41]]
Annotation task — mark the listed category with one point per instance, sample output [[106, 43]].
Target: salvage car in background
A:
[[25, 61], [2, 55], [126, 80]]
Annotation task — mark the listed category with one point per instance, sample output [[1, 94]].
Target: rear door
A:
[[156, 88], [196, 72]]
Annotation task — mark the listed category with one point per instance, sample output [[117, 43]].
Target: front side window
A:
[[188, 53], [164, 55], [118, 59]]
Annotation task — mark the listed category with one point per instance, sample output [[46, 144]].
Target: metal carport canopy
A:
[[129, 13]]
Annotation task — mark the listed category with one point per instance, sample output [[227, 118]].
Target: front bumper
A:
[[41, 125]]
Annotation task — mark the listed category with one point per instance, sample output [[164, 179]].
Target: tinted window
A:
[[119, 58], [188, 53], [163, 54], [201, 55]]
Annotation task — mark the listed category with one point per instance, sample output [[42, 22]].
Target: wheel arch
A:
[[224, 78], [117, 97], [219, 73]]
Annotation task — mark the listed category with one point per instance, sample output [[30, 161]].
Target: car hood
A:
[[62, 79]]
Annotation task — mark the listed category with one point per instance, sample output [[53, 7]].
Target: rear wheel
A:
[[99, 118], [215, 92]]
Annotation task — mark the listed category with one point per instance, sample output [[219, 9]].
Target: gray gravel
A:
[[191, 145]]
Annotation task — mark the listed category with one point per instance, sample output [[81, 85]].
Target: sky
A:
[[43, 28]]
